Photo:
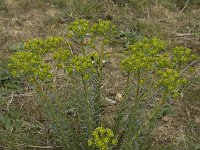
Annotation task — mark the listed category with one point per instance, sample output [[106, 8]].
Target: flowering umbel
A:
[[102, 138], [30, 65]]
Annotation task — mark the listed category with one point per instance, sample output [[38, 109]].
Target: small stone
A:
[[118, 97], [110, 101], [197, 120], [167, 119]]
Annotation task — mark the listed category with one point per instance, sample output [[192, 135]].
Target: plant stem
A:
[[52, 113], [155, 111], [82, 46], [127, 90], [134, 110], [138, 85], [100, 69], [121, 113], [88, 107]]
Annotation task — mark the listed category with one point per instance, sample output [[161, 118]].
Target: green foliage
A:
[[167, 109], [8, 84], [128, 37], [15, 131], [17, 47]]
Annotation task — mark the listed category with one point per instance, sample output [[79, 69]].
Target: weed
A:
[[77, 119]]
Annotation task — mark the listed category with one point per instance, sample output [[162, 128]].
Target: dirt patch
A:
[[161, 12], [52, 12], [12, 4]]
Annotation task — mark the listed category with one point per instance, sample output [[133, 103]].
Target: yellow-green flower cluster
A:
[[42, 46], [79, 28], [170, 79], [83, 65], [30, 65], [135, 62], [163, 61], [102, 27], [61, 56], [149, 55], [150, 47], [142, 55], [182, 55], [102, 138]]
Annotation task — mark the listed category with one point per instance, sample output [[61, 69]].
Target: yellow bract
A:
[[102, 138], [42, 46], [30, 65]]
